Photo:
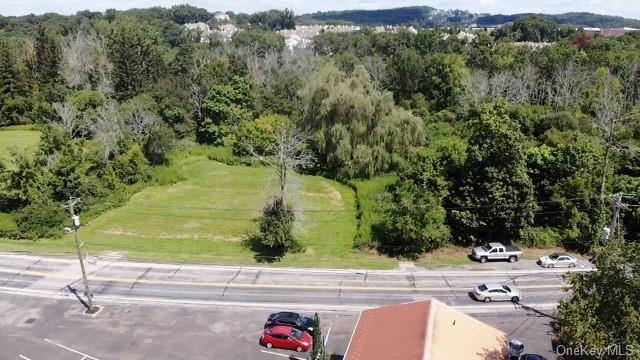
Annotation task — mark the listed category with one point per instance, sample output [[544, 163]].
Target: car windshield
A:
[[482, 287], [486, 247], [553, 257], [296, 334], [300, 320], [506, 288]]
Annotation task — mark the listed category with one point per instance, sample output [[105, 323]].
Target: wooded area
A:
[[487, 140]]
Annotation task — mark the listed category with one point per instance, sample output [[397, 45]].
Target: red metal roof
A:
[[396, 332]]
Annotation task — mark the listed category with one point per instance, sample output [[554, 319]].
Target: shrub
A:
[[42, 219], [258, 135], [539, 237], [276, 226], [131, 167], [160, 142]]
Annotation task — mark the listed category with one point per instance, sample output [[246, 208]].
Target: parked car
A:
[[295, 320], [496, 251], [558, 260], [496, 292], [286, 338]]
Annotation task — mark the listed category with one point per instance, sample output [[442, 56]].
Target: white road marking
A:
[[23, 357], [283, 355], [268, 286], [469, 309], [396, 272], [326, 339], [85, 356]]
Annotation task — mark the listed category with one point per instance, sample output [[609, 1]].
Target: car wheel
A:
[[487, 299], [552, 266], [515, 299], [513, 259], [269, 345], [483, 259], [572, 265], [299, 349]]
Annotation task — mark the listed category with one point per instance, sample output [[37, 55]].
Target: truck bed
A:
[[511, 248]]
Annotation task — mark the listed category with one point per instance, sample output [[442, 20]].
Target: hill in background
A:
[[428, 16]]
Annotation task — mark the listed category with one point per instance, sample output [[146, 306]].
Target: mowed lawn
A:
[[206, 218], [19, 139]]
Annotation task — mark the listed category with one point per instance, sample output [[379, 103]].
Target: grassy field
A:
[[19, 138], [207, 217]]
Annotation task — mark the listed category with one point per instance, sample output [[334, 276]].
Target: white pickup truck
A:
[[496, 251]]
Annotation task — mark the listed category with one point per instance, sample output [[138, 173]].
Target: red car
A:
[[287, 338]]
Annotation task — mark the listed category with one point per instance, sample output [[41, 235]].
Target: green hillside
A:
[[16, 139]]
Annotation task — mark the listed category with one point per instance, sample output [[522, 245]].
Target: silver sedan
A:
[[558, 260], [496, 292]]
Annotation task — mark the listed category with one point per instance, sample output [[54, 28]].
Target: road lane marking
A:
[[270, 286], [326, 339], [85, 356], [428, 273], [470, 309], [23, 357], [283, 355]]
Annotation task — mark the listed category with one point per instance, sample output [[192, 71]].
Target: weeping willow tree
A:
[[355, 127]]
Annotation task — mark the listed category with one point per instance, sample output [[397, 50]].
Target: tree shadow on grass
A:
[[261, 252]]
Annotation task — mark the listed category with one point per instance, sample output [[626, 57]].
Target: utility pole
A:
[[75, 223], [617, 205]]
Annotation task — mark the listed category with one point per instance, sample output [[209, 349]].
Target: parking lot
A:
[[39, 329]]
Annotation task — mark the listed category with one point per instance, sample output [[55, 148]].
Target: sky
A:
[[625, 8]]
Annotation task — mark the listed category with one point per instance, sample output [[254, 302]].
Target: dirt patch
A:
[[330, 193], [230, 238]]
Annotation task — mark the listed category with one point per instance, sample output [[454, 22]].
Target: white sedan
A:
[[558, 260], [496, 292]]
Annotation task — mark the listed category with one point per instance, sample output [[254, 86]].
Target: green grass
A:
[[17, 138], [369, 194], [7, 223], [205, 219]]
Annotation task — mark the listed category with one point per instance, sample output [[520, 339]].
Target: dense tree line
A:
[[488, 139]]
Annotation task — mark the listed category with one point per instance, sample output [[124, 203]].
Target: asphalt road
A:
[[114, 281], [33, 328]]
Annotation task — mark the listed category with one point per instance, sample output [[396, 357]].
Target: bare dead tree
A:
[[70, 119], [478, 86], [568, 84], [139, 122], [197, 89], [377, 70], [107, 128], [499, 84], [85, 63], [630, 81], [288, 152], [609, 113], [526, 84], [77, 62]]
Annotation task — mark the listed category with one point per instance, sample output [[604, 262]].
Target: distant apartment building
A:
[[613, 32], [224, 32], [302, 36], [221, 17]]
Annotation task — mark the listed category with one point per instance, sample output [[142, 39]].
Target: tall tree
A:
[[47, 56], [12, 104], [355, 127], [601, 312], [494, 198], [225, 107], [134, 50], [414, 220]]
